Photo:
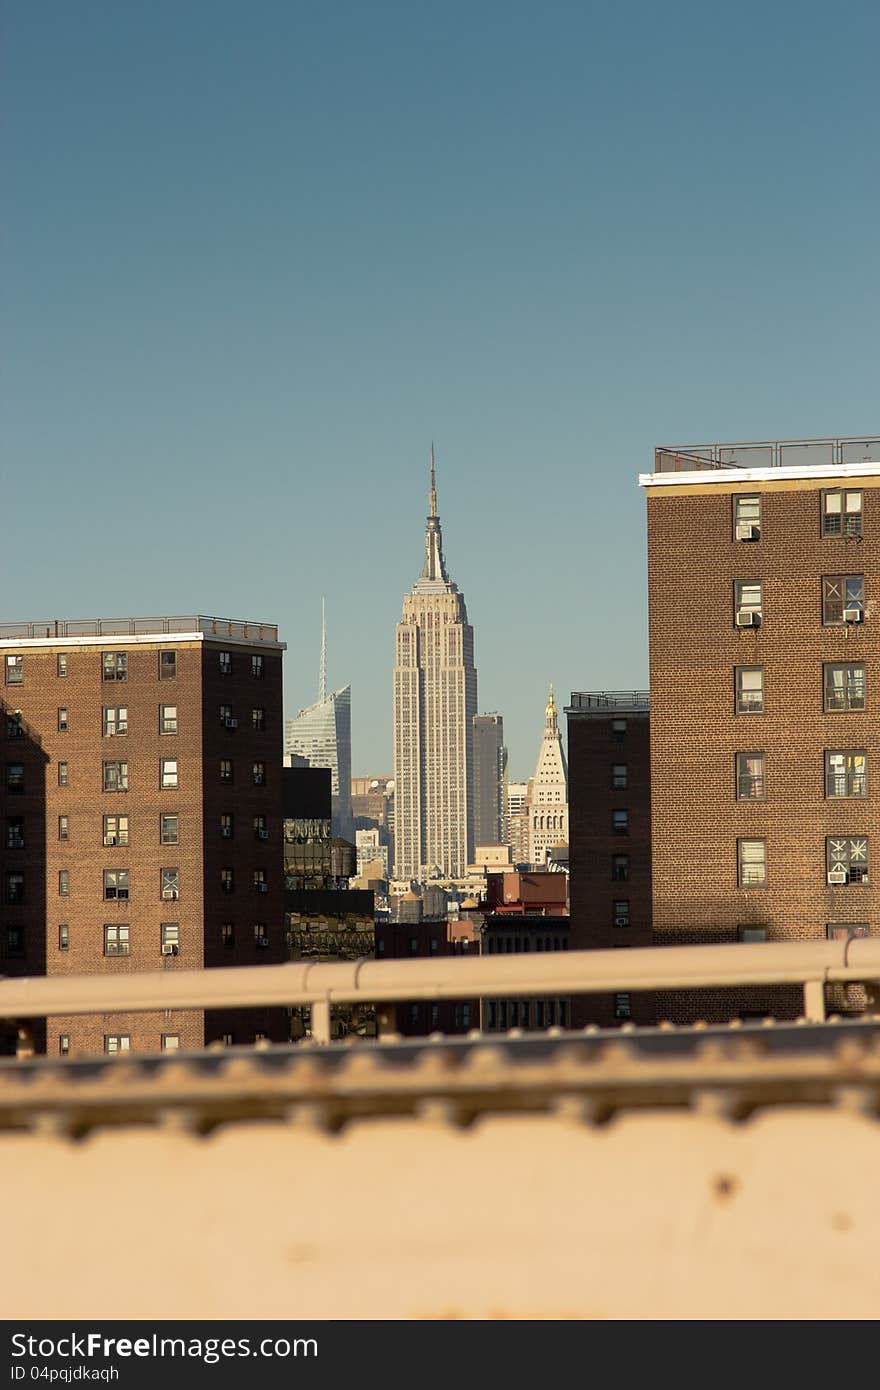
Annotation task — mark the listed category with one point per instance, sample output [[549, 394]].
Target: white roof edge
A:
[[134, 639], [761, 475]]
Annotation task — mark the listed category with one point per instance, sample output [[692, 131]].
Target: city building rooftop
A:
[[778, 453], [94, 629], [600, 701]]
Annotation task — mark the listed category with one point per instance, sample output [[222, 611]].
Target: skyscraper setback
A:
[[321, 733], [435, 700]]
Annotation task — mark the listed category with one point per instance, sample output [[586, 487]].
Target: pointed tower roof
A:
[[434, 568]]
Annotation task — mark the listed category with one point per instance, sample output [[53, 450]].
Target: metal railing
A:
[[610, 699], [777, 453], [133, 627], [809, 964]]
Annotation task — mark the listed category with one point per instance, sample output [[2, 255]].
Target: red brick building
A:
[[764, 575], [609, 769], [141, 813]]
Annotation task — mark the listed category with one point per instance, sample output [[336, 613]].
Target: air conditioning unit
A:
[[169, 949], [170, 894], [747, 617], [109, 839], [258, 779], [232, 723], [263, 834], [226, 832], [621, 921], [745, 531], [837, 875], [852, 615], [262, 941], [262, 887]]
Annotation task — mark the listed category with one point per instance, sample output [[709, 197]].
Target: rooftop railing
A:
[[133, 627], [779, 453], [610, 699]]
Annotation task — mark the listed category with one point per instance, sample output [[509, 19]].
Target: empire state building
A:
[[435, 700]]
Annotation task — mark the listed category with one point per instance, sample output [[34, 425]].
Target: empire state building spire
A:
[[434, 567]]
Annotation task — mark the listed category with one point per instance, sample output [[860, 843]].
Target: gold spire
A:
[[550, 711]]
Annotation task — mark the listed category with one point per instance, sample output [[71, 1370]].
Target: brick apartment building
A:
[[764, 579], [141, 813], [609, 780]]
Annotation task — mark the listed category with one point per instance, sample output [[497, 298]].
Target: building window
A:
[[261, 934], [15, 886], [749, 689], [750, 933], [167, 666], [14, 725], [846, 774], [841, 513], [226, 717], [618, 730], [64, 827], [257, 667], [61, 664], [116, 941], [115, 721], [620, 868], [844, 686], [15, 670], [15, 778], [170, 936], [227, 881], [258, 719], [225, 769], [843, 599], [623, 1006], [620, 822], [64, 937], [167, 719], [63, 720], [170, 885], [260, 883], [260, 831], [226, 663], [618, 776], [114, 666], [845, 931], [747, 517], [168, 774], [115, 777], [226, 825], [227, 935], [64, 1044], [621, 913], [169, 832], [15, 832], [414, 946], [752, 863], [64, 883], [259, 774], [117, 1042], [14, 941], [846, 859], [116, 885], [115, 830], [747, 603], [170, 1042], [750, 783]]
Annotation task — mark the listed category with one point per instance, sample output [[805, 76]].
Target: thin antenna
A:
[[322, 681], [433, 511]]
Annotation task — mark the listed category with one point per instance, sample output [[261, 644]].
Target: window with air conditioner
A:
[[748, 604], [170, 938], [843, 599], [846, 859], [621, 913], [170, 885], [115, 830], [747, 517]]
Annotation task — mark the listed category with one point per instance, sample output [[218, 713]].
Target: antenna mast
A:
[[322, 679]]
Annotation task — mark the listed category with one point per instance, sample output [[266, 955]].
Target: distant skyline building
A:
[[516, 824], [435, 700], [548, 809], [490, 769], [321, 733]]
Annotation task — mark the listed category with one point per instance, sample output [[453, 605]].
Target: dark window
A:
[[259, 774], [225, 769], [116, 942], [844, 686], [623, 1006], [752, 863], [15, 779], [15, 832], [14, 726], [618, 730], [846, 858], [618, 776], [257, 666], [749, 933], [621, 912], [846, 774], [620, 822], [843, 598], [226, 825], [258, 719], [227, 935], [14, 886], [15, 941], [226, 718], [227, 881], [841, 512], [167, 666], [620, 867], [261, 934], [115, 777], [750, 777], [749, 689], [114, 666], [260, 831], [64, 937], [226, 663], [15, 670]]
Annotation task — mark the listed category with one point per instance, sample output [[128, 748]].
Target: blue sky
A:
[[255, 257]]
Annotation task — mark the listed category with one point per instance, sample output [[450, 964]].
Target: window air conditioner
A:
[[263, 834], [837, 875], [262, 887], [621, 921], [169, 894], [169, 949], [109, 839], [258, 780], [745, 531], [747, 617], [262, 941], [232, 723], [852, 615], [226, 831]]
